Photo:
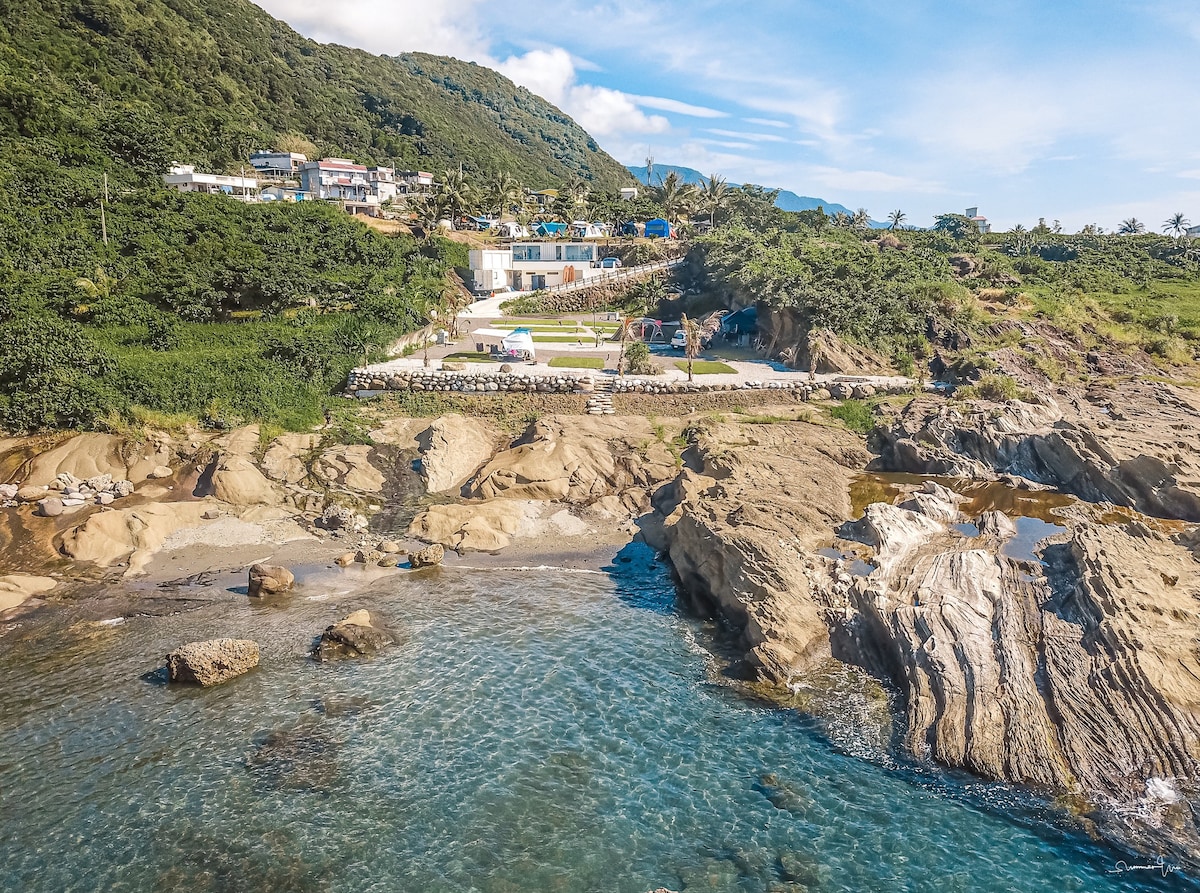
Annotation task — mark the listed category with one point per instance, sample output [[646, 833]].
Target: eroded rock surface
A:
[[212, 662], [269, 579], [357, 635], [1133, 444]]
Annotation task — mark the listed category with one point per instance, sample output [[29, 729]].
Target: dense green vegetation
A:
[[201, 307], [893, 291], [134, 85], [198, 305]]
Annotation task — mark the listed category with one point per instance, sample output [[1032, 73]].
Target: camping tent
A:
[[658, 227], [512, 230], [629, 228], [583, 230], [550, 229], [519, 344]]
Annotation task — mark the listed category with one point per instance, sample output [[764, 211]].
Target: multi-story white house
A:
[[341, 180], [277, 165], [185, 178], [529, 266], [414, 182], [980, 220]]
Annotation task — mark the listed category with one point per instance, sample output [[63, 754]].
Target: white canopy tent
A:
[[519, 344]]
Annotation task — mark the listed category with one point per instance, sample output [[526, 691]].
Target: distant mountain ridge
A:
[[785, 201]]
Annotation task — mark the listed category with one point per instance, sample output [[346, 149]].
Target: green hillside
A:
[[139, 84]]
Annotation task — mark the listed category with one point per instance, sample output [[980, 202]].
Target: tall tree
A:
[[1176, 224], [895, 219], [1131, 226], [860, 219], [503, 191], [677, 198], [692, 341], [458, 192], [714, 197]]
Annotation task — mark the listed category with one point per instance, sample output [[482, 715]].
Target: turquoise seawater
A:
[[538, 730]]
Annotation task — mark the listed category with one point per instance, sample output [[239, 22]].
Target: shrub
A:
[[637, 360], [998, 388], [856, 415]]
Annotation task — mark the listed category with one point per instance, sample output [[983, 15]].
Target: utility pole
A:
[[103, 201]]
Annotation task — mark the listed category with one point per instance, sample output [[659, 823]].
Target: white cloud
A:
[[599, 110], [752, 137], [447, 27], [680, 108], [766, 122], [868, 181]]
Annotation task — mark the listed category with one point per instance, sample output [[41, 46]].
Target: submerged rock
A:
[[301, 758], [357, 635], [269, 579], [212, 662]]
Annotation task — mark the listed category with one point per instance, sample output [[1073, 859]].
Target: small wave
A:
[[526, 568]]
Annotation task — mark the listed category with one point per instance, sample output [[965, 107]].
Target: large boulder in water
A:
[[356, 636], [212, 662], [268, 579], [427, 557]]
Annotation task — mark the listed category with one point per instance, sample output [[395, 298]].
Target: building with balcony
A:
[[185, 178]]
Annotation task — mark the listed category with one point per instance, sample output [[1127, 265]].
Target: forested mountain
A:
[[139, 83], [784, 201]]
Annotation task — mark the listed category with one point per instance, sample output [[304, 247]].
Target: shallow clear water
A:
[[538, 731]]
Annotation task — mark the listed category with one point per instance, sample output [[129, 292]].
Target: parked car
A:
[[610, 263], [679, 340]]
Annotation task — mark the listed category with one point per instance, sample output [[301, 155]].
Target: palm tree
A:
[[428, 210], [841, 219], [1131, 227], [714, 196], [860, 219], [676, 197], [696, 334], [503, 191], [1177, 224], [896, 218], [458, 193], [574, 192]]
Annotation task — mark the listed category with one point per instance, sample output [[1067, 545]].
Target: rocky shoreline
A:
[[1071, 669]]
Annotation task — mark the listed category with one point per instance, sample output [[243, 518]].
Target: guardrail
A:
[[613, 276]]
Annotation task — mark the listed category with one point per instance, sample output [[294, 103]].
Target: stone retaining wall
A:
[[485, 382], [838, 390], [468, 382]]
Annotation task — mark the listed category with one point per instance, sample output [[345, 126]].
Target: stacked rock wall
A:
[[467, 382]]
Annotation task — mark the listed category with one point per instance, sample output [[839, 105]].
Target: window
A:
[[527, 252], [578, 252]]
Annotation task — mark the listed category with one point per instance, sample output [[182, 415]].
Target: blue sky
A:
[[1083, 111]]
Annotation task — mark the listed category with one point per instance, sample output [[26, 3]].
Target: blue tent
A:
[[550, 229], [743, 322], [628, 228], [658, 227]]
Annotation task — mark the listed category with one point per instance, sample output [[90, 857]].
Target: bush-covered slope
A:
[[144, 82]]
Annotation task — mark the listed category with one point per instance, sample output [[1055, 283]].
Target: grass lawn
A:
[[707, 367], [469, 357], [563, 339], [577, 363]]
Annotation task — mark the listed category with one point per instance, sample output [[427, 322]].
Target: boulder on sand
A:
[[428, 557], [268, 579], [355, 636], [50, 507], [212, 662]]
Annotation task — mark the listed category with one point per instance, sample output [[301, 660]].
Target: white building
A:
[[277, 165], [185, 178], [981, 222], [529, 266], [628, 193], [341, 180], [414, 182]]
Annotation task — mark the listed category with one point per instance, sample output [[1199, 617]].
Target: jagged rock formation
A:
[[356, 635], [1132, 445], [741, 532]]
